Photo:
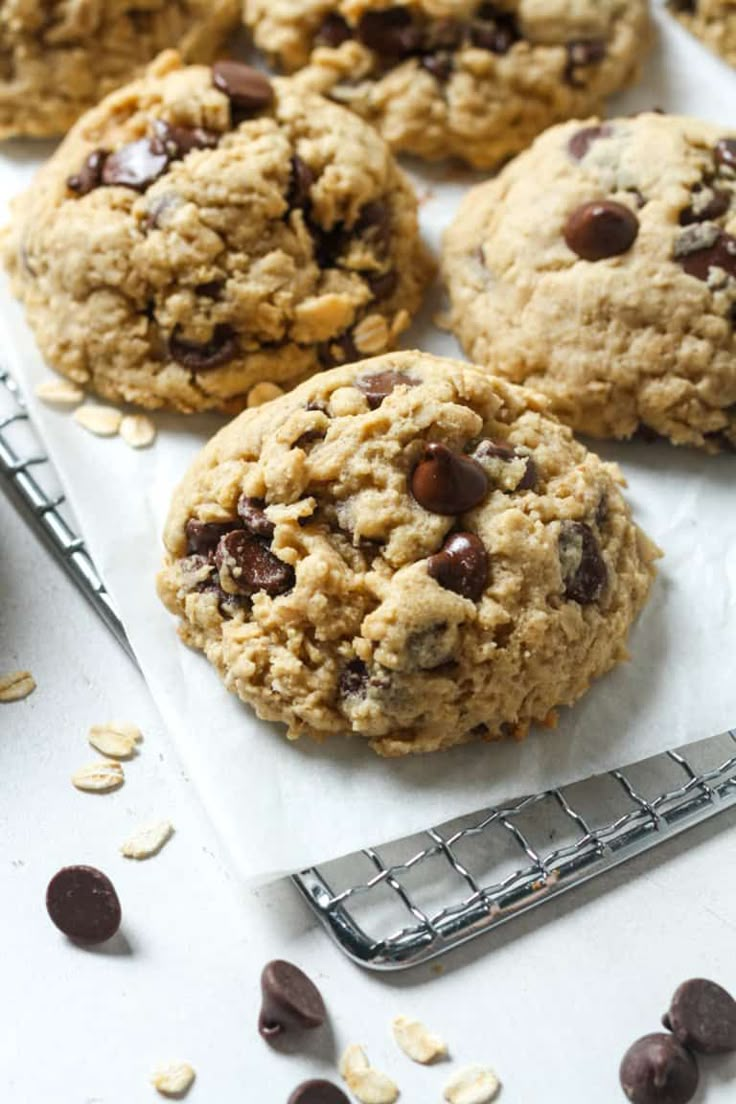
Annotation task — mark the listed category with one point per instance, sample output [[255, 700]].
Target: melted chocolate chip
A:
[[382, 286], [720, 253], [211, 290], [340, 350], [584, 572], [328, 244], [582, 140], [251, 567], [601, 229], [716, 204], [379, 386], [199, 357], [390, 32], [580, 53], [353, 679], [136, 165], [204, 536], [302, 179], [496, 450], [291, 1001], [248, 89], [89, 176], [318, 1092], [333, 31], [253, 517], [178, 141], [493, 30], [83, 904], [440, 65], [725, 153], [443, 35], [657, 1070], [702, 1017], [374, 225], [461, 566], [448, 483]]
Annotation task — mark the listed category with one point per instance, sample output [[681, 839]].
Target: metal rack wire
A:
[[402, 903]]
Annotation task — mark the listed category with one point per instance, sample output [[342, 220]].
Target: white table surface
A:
[[551, 1001]]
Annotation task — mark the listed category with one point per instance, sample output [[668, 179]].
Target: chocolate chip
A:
[[333, 31], [341, 350], [702, 1017], [300, 183], [657, 1070], [582, 140], [374, 225], [290, 1000], [83, 904], [379, 386], [584, 572], [318, 1092], [444, 35], [493, 30], [725, 153], [717, 251], [705, 208], [204, 536], [328, 244], [251, 513], [178, 141], [495, 450], [440, 65], [247, 89], [580, 53], [251, 567], [389, 32], [447, 482], [199, 357], [382, 286], [211, 290], [89, 176], [136, 165], [601, 229], [353, 678], [461, 566]]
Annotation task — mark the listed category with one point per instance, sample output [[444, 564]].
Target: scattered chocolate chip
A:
[[379, 386], [487, 448], [601, 229], [493, 30], [251, 567], [705, 208], [247, 89], [253, 517], [656, 1069], [702, 1017], [390, 32], [333, 31], [461, 566], [447, 482], [581, 53], [582, 140], [318, 1092], [178, 141], [136, 165], [204, 536], [290, 1000], [725, 152], [302, 179], [83, 904], [584, 572], [353, 678], [89, 176], [718, 250], [382, 286], [199, 357], [440, 65]]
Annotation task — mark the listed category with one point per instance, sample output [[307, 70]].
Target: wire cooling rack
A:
[[404, 902]]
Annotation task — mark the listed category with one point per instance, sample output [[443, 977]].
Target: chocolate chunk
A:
[[488, 449], [390, 32], [203, 537], [302, 179], [725, 152], [341, 350], [445, 35], [447, 482], [374, 225], [199, 357], [582, 140], [584, 571], [580, 53], [379, 386], [440, 65], [83, 904], [251, 567], [333, 32], [137, 165], [493, 30], [178, 141], [702, 1017], [318, 1092], [251, 513], [353, 678], [328, 244], [247, 89], [717, 251], [290, 1000], [89, 176], [705, 208], [657, 1070], [461, 566], [601, 229], [211, 290], [382, 285]]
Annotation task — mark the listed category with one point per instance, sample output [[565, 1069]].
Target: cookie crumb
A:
[[116, 739], [99, 777], [148, 840], [59, 392], [417, 1042], [102, 421], [472, 1085], [138, 431], [173, 1079], [16, 685]]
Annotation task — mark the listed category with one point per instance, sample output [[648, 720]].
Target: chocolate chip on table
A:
[[83, 904], [582, 140], [300, 183], [318, 1092], [448, 483], [379, 386], [204, 536], [178, 141], [702, 1017], [461, 566], [353, 678], [291, 1001], [714, 249], [253, 517], [584, 572], [493, 30], [601, 229], [391, 33], [725, 152], [136, 165], [201, 356], [251, 567], [333, 31], [247, 88], [89, 176], [656, 1069]]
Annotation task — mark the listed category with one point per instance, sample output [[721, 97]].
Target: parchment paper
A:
[[281, 807]]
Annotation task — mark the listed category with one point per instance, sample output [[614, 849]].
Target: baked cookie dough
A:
[[600, 269], [60, 57], [713, 21], [204, 232], [407, 549], [462, 78]]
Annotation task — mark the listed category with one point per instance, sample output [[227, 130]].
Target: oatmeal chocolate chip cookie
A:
[[205, 230], [600, 269], [713, 21], [407, 549], [461, 78], [60, 57]]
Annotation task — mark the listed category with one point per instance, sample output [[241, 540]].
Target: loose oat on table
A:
[[117, 739], [204, 237], [369, 1085], [138, 431], [60, 58], [102, 421], [459, 78], [600, 269], [713, 21], [16, 685], [472, 1085], [407, 549], [59, 392], [148, 840], [417, 1042], [99, 777], [173, 1078]]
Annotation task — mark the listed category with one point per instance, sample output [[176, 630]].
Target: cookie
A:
[[458, 78], [204, 232], [61, 58], [406, 549], [713, 21], [600, 269]]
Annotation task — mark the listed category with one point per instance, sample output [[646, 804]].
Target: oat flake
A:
[[472, 1085], [369, 1085], [417, 1042], [173, 1079], [148, 840], [138, 431], [103, 421], [99, 777], [59, 392], [117, 739], [16, 685]]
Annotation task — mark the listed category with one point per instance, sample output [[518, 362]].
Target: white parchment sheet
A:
[[280, 807]]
